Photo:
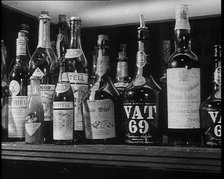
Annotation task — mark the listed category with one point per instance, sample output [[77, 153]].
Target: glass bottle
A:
[[141, 98], [122, 78], [44, 63], [102, 104], [63, 109], [18, 91], [62, 43], [76, 66], [4, 93], [183, 87], [34, 119], [24, 29], [93, 69], [210, 109]]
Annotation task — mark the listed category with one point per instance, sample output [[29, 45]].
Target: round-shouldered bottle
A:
[[183, 87], [141, 99], [102, 104]]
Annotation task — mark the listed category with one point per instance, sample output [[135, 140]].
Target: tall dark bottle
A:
[[141, 98], [18, 91], [122, 77], [63, 109], [4, 93], [44, 64], [210, 110], [183, 86], [101, 106], [76, 66]]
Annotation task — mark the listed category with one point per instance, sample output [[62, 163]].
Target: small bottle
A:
[[94, 64], [44, 63], [141, 99], [122, 78], [62, 43], [34, 119], [76, 66], [101, 106], [18, 91], [4, 93], [183, 87], [63, 109], [210, 109]]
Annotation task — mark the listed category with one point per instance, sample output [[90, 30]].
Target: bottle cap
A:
[[62, 18], [182, 21], [44, 15], [75, 18], [24, 27]]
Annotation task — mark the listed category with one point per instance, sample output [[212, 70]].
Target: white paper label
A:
[[17, 110], [183, 95], [63, 121], [38, 73], [100, 124], [122, 69], [14, 87], [31, 128]]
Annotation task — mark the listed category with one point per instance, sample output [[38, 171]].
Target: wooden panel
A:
[[149, 157]]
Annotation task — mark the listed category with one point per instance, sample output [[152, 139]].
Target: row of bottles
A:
[[52, 98]]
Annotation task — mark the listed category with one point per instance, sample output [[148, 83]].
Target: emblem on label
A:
[[38, 72], [73, 53], [31, 128], [14, 87]]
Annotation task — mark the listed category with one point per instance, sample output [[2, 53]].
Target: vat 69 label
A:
[[140, 122], [212, 124]]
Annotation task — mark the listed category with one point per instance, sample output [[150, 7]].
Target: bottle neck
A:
[[102, 64], [63, 76], [62, 40], [75, 36], [44, 33], [35, 86], [182, 40]]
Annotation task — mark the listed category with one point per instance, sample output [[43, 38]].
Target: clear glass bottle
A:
[[18, 91], [210, 109], [44, 63], [183, 87], [63, 109], [4, 93], [34, 119], [62, 43], [76, 66], [141, 98], [102, 104], [122, 77]]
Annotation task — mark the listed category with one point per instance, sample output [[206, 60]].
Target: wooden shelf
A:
[[187, 159]]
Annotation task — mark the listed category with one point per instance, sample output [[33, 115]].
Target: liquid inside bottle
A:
[[141, 99], [76, 66], [34, 120], [44, 63], [183, 87], [210, 109], [63, 109], [18, 92], [101, 106]]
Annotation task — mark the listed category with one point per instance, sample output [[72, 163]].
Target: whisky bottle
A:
[[18, 91], [183, 87], [141, 98], [34, 118], [62, 43], [94, 64], [76, 66], [101, 106], [122, 78], [44, 64], [63, 109], [4, 93], [210, 109]]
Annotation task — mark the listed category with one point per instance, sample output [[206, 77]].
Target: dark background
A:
[[205, 32]]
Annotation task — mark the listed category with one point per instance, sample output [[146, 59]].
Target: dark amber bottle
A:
[[210, 110], [141, 99]]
